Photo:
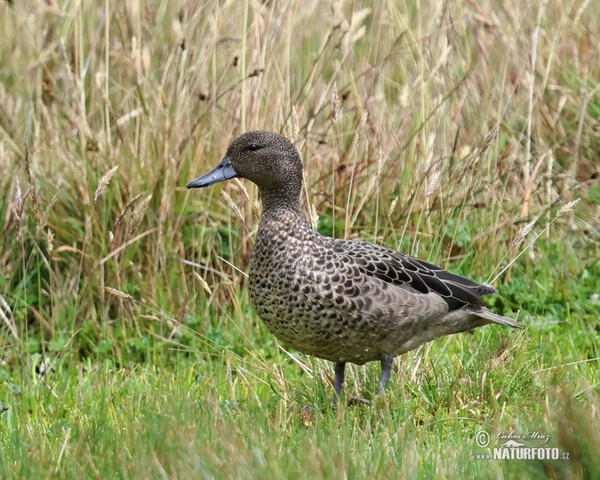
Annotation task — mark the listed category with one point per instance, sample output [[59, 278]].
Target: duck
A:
[[346, 301]]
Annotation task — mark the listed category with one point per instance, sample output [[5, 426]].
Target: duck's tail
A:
[[495, 318]]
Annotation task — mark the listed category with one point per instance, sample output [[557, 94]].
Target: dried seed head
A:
[[7, 318], [335, 103], [524, 231], [203, 283], [567, 208], [139, 211], [314, 216], [295, 124], [104, 181], [433, 180], [231, 204], [118, 293]]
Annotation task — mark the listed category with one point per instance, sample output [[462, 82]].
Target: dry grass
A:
[[107, 110]]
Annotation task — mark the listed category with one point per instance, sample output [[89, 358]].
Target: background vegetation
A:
[[467, 133]]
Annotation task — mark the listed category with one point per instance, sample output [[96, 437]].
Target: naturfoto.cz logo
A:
[[516, 446]]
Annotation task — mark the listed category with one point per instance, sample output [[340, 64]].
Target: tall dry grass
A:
[[456, 131]]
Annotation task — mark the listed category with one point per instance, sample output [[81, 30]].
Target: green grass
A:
[[429, 128]]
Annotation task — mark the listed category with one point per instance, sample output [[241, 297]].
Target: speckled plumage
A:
[[342, 300]]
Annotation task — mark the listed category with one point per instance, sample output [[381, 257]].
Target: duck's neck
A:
[[273, 201], [275, 205]]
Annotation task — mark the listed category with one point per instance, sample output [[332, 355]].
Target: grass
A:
[[467, 134]]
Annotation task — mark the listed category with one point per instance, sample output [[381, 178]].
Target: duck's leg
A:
[[386, 370], [338, 382]]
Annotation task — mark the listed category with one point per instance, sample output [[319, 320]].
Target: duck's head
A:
[[266, 158]]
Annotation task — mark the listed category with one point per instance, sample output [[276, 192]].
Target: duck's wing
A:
[[412, 273]]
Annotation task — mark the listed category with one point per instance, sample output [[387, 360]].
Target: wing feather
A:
[[401, 269]]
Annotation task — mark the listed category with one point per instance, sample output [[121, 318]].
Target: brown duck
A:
[[341, 300]]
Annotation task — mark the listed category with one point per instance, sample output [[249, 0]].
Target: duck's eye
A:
[[253, 147]]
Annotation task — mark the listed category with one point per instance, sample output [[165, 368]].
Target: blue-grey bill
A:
[[223, 171]]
